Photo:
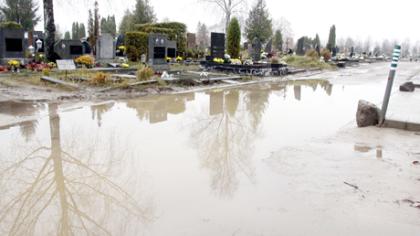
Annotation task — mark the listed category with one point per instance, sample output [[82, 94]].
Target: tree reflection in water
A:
[[225, 138], [52, 192]]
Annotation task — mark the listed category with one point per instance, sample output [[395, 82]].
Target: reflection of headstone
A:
[[298, 90], [232, 101], [217, 45], [216, 103], [191, 41], [256, 49], [105, 47], [12, 44], [69, 49]]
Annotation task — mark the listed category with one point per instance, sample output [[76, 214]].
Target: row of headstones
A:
[[13, 44], [217, 47]]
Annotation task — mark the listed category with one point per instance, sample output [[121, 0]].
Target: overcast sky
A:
[[359, 19]]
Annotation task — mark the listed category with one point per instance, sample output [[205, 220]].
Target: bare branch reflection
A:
[[53, 192], [225, 140]]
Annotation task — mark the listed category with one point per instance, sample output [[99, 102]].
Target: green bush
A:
[[10, 25], [175, 31], [234, 39], [136, 44]]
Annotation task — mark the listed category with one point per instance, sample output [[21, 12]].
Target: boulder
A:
[[367, 114], [408, 87]]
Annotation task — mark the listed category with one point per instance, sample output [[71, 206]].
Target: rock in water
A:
[[367, 114], [407, 87]]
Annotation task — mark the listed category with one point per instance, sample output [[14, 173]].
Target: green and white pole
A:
[[394, 64]]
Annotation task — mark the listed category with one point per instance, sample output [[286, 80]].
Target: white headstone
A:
[[105, 47]]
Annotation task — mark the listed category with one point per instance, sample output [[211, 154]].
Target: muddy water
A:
[[190, 164]]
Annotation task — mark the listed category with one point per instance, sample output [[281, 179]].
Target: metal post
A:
[[395, 59]]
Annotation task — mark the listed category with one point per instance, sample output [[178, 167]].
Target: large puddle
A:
[[190, 164]]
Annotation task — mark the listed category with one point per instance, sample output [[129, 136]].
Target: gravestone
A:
[[256, 49], [217, 48], [191, 41], [105, 47], [68, 49], [66, 65], [157, 49], [171, 49], [12, 44]]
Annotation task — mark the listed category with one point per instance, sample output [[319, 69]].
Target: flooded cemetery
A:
[[121, 121]]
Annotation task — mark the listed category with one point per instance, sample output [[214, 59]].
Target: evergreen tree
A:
[[127, 22], [108, 25], [91, 30], [278, 41], [49, 28], [96, 18], [202, 38], [23, 12], [234, 38], [143, 13], [75, 30], [67, 35], [82, 31], [331, 39], [317, 44], [259, 24]]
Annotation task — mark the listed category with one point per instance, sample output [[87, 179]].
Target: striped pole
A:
[[394, 64]]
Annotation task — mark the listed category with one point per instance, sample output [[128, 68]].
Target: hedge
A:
[[175, 31], [136, 44], [10, 25]]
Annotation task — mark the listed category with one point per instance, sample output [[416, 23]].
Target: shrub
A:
[[10, 25], [99, 78], [234, 38], [145, 73], [136, 44], [179, 31], [46, 72], [326, 54], [85, 60], [312, 54]]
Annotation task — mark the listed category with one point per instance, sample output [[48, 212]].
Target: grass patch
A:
[[305, 62]]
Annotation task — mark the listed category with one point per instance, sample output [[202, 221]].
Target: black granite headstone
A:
[[217, 45]]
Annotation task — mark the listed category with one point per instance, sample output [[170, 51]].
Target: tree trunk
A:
[[49, 27]]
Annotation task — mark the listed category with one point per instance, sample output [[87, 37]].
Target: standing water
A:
[[189, 164]]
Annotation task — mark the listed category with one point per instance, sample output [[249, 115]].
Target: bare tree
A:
[[229, 7]]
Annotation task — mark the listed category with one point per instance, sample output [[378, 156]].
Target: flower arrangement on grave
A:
[[125, 65], [236, 62], [179, 59], [219, 60], [52, 65], [85, 60], [14, 65], [122, 49], [168, 59]]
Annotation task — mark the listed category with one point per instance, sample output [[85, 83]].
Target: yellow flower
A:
[[13, 63], [85, 60]]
